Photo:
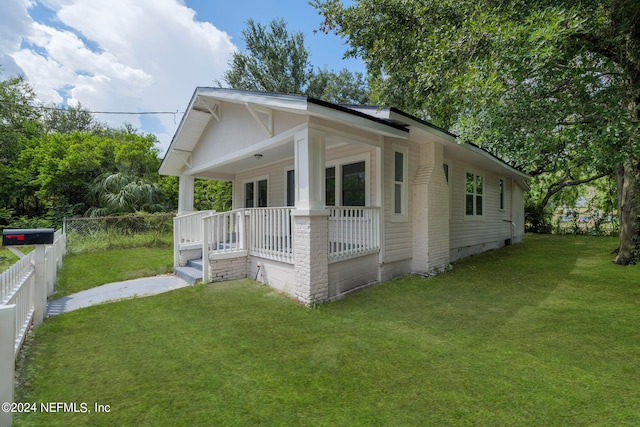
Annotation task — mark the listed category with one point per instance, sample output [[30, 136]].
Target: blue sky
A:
[[325, 49], [142, 55]]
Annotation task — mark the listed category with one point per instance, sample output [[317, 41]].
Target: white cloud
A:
[[118, 55]]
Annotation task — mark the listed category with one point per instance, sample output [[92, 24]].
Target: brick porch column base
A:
[[310, 255]]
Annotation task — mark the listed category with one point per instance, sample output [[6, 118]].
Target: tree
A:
[[57, 169], [68, 119], [19, 121], [212, 194], [63, 171], [552, 86], [118, 193], [343, 87], [278, 61]]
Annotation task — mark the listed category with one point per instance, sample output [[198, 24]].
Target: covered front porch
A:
[[307, 191], [262, 243]]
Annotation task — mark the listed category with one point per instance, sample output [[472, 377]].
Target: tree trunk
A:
[[628, 181]]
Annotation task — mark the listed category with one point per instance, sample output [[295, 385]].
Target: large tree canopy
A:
[[552, 86], [18, 122], [278, 61], [58, 161]]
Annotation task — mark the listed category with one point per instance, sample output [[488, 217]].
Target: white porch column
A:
[[310, 169], [430, 211], [310, 219], [185, 194]]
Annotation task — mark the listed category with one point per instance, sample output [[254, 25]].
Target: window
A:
[[353, 184], [256, 194], [291, 187], [262, 193], [400, 196], [248, 195], [330, 187], [501, 184], [398, 182], [446, 171], [474, 195], [347, 181]]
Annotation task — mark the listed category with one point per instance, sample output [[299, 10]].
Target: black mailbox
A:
[[35, 236]]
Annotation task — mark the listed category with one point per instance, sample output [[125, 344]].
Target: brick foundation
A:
[[228, 269]]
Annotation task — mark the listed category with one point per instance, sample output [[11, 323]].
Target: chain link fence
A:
[[118, 232]]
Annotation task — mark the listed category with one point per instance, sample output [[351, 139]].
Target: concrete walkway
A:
[[115, 291]]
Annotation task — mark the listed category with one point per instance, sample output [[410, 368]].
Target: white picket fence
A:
[[24, 289]]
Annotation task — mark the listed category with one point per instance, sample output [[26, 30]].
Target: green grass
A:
[[7, 258], [541, 333], [105, 240], [82, 271]]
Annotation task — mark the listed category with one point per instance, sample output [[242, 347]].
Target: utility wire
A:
[[44, 107]]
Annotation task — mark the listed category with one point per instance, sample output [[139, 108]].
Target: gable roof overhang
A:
[[206, 105]]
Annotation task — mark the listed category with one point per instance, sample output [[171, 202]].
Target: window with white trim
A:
[[290, 180], [330, 186], [256, 193], [347, 181], [400, 196], [354, 186], [501, 193], [474, 197]]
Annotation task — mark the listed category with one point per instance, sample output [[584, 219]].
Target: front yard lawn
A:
[[541, 333], [87, 270]]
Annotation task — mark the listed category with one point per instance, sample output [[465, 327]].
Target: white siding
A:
[[221, 138], [517, 205], [397, 235], [472, 234], [276, 174]]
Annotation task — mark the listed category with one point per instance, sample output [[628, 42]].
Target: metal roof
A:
[[390, 121]]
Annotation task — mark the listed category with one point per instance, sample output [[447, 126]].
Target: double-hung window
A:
[[256, 193], [353, 184], [400, 173], [330, 186], [347, 181], [474, 197]]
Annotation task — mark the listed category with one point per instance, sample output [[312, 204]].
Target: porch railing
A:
[[187, 230], [268, 232], [223, 233], [353, 232], [270, 235]]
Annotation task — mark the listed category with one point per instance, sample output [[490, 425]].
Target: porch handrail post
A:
[[176, 241], [241, 230], [206, 226]]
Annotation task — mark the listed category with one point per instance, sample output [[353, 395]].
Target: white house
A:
[[328, 198]]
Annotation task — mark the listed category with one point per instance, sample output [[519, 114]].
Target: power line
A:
[[44, 107]]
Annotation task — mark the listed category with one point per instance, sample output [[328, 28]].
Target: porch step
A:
[[195, 263], [191, 273]]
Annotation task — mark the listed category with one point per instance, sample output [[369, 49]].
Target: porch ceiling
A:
[[268, 153]]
